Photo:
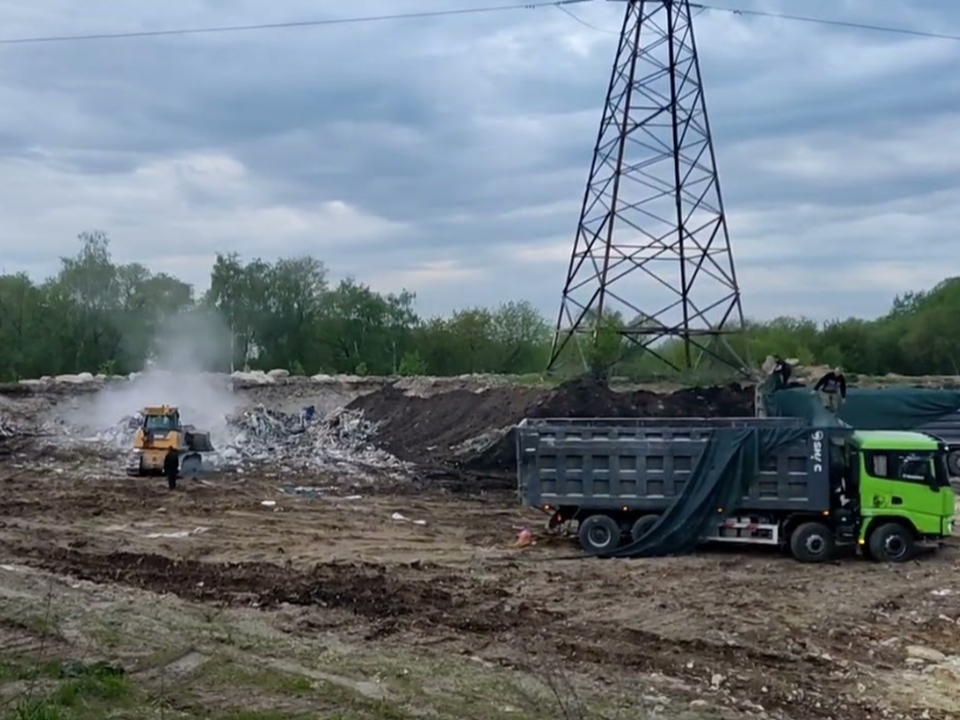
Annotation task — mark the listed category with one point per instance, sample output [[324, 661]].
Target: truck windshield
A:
[[925, 467], [160, 423]]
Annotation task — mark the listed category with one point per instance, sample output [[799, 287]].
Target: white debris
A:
[[257, 377], [398, 517], [925, 654], [341, 439], [7, 428], [78, 379], [177, 535], [254, 436]]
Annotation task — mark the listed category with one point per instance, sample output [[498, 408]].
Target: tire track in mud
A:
[[393, 598]]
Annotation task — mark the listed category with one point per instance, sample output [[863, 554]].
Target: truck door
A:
[[904, 484]]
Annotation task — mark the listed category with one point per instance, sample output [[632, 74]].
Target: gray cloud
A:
[[450, 155]]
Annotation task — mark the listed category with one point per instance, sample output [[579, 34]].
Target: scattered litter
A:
[[180, 534], [397, 517], [7, 429], [524, 538], [313, 492], [946, 592], [268, 503]]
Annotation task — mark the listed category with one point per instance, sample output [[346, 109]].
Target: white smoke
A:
[[187, 348]]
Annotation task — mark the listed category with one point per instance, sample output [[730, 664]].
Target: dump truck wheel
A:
[[892, 543], [953, 463], [191, 465], [812, 542], [642, 526], [599, 534]]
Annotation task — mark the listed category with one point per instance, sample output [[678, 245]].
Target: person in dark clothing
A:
[[781, 371], [832, 389], [171, 467]]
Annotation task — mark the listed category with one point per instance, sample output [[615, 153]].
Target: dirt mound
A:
[[473, 430]]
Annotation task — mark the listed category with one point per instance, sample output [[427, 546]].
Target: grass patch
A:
[[98, 684], [18, 670], [223, 671], [84, 693], [248, 715], [35, 710]]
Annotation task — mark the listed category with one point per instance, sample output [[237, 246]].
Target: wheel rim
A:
[[895, 546], [599, 536], [815, 545]]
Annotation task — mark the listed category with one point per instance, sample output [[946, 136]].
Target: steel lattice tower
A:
[[652, 243]]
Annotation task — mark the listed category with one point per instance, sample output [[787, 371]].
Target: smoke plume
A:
[[187, 348]]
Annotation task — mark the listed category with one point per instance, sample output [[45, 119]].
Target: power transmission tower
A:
[[652, 257]]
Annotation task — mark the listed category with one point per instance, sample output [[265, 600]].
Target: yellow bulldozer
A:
[[161, 433]]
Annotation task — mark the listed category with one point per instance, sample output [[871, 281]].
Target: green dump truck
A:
[[623, 481]]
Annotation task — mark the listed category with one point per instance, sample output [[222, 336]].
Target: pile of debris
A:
[[302, 441], [255, 436]]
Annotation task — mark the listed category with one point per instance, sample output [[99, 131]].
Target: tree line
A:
[[96, 315]]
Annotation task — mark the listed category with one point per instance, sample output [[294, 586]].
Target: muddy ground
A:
[[327, 605], [398, 599]]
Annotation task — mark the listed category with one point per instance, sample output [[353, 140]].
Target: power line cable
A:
[[826, 21], [566, 11], [562, 5], [291, 24]]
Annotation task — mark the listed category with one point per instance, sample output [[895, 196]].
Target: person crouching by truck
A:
[[832, 390]]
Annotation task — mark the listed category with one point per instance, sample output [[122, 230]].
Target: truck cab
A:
[[903, 491]]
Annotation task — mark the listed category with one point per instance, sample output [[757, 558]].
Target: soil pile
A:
[[474, 430]]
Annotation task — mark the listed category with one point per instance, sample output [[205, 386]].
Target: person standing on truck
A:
[[832, 389], [781, 372]]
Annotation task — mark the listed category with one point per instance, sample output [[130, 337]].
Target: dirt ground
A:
[[227, 598], [243, 597]]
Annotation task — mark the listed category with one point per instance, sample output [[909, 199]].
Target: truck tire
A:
[[191, 466], [599, 534], [953, 463], [642, 526], [812, 542], [892, 543]]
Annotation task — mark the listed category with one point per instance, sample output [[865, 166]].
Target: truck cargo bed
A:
[[645, 463]]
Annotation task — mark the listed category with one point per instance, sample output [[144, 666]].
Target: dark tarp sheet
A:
[[878, 409], [729, 465]]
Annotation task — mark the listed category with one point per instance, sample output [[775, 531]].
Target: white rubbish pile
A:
[[342, 439], [256, 436]]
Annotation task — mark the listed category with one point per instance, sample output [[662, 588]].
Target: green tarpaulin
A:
[[729, 465], [879, 409]]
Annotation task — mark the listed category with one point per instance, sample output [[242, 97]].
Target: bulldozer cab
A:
[[161, 419]]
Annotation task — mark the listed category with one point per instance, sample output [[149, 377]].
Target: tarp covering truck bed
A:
[[653, 487], [867, 409]]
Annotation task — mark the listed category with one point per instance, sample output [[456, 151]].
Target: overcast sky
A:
[[449, 156]]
